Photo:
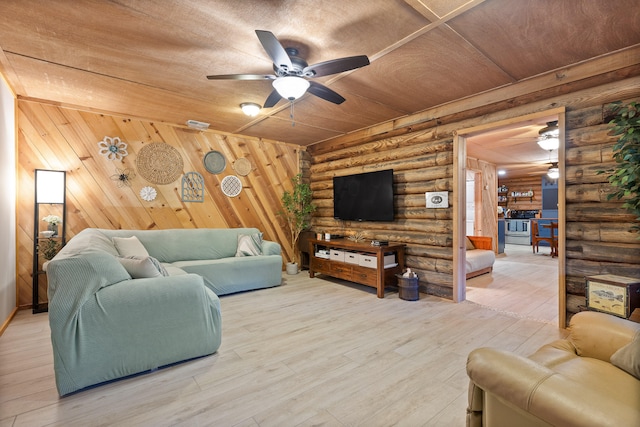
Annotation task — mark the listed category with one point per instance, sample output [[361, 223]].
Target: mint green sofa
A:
[[107, 325]]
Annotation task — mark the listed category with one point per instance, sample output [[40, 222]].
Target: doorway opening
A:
[[506, 136]]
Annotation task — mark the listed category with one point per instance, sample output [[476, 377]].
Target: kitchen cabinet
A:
[[501, 235]]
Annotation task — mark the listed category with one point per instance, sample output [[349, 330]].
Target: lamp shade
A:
[[553, 172], [550, 143], [549, 136], [50, 186], [291, 87]]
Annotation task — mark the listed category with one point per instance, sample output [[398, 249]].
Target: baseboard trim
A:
[[5, 325]]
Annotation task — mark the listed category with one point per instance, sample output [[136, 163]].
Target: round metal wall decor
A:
[[159, 163], [231, 186], [214, 162], [242, 166]]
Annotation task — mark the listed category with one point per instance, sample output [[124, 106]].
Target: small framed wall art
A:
[[437, 199]]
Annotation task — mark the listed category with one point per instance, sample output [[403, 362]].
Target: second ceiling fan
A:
[[290, 80]]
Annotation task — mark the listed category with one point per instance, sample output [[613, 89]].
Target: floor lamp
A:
[[50, 198]]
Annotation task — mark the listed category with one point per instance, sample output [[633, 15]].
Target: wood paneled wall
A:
[[51, 137], [421, 154], [486, 223], [533, 183]]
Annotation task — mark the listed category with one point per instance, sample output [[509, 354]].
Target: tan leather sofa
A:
[[570, 382]]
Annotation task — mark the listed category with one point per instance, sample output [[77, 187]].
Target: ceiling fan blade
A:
[[325, 93], [274, 49], [272, 99], [242, 77], [335, 66]]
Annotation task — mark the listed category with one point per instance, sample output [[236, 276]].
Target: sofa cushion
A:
[[89, 240], [249, 244], [143, 267], [469, 244], [478, 259], [173, 245], [130, 246], [627, 358], [236, 274]]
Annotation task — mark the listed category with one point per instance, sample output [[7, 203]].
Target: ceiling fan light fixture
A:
[[250, 109], [549, 144], [551, 129], [291, 87], [549, 136], [553, 172]]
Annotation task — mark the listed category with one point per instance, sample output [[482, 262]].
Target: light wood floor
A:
[[522, 283], [310, 352]]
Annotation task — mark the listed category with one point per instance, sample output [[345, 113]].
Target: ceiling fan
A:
[[291, 72]]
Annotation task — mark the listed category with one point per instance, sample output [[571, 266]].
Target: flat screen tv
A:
[[364, 197]]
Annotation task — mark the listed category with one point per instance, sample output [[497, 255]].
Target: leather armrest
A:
[[543, 393], [599, 335]]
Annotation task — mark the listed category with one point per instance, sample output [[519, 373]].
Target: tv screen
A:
[[364, 197]]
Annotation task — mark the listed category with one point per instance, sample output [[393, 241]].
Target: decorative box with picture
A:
[[613, 294]]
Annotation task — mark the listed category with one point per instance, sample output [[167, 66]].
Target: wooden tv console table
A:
[[356, 255]]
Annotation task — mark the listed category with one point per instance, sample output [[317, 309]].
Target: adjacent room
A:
[[294, 213]]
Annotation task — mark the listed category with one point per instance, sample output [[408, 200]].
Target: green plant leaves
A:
[[625, 178]]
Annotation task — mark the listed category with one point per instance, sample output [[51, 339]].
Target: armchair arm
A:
[[599, 335], [546, 395], [271, 248], [74, 279]]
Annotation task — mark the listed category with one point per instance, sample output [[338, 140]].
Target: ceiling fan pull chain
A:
[[293, 123]]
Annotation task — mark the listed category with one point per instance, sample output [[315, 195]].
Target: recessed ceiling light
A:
[[502, 172], [251, 109]]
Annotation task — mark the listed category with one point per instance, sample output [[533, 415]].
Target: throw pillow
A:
[[627, 358], [143, 267], [469, 244], [130, 246], [249, 244]]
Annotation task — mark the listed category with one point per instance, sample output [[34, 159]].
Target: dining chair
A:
[[536, 238]]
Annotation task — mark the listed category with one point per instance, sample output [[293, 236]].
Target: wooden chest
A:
[[617, 295]]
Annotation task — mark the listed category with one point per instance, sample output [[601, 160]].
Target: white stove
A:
[[517, 231]]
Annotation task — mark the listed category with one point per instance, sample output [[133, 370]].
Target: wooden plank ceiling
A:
[[150, 58]]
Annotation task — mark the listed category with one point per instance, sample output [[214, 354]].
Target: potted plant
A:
[[297, 208], [625, 177], [49, 248]]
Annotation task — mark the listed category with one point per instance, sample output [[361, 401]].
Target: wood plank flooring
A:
[[310, 352], [522, 283]]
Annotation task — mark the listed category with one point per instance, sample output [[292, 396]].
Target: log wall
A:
[[51, 137], [421, 154], [598, 240], [422, 161]]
